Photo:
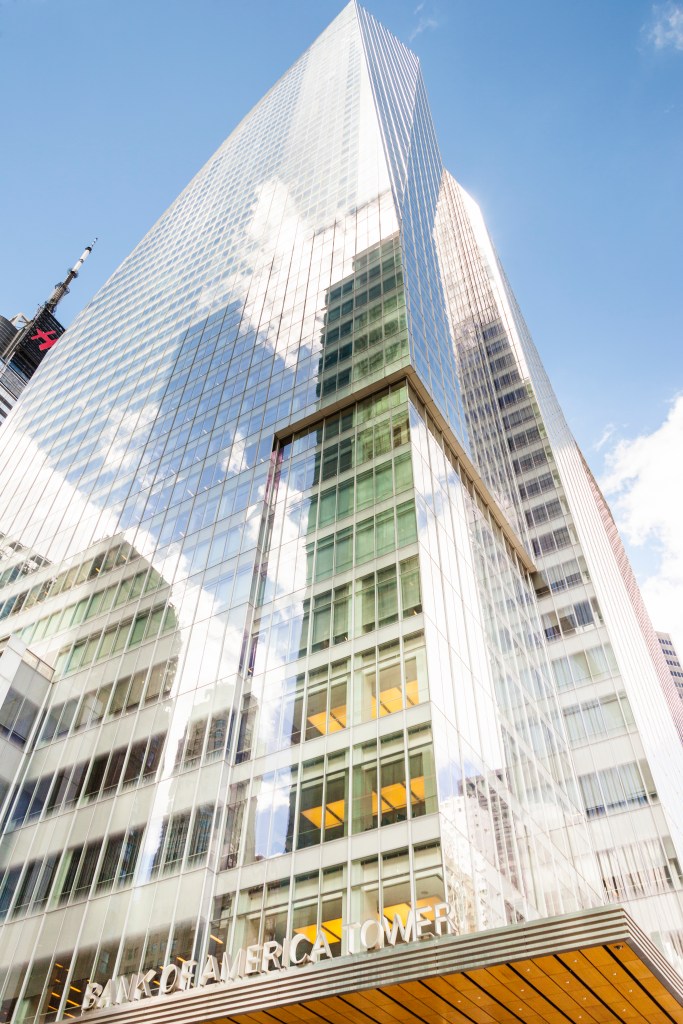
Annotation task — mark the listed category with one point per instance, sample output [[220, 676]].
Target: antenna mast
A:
[[46, 309], [62, 288]]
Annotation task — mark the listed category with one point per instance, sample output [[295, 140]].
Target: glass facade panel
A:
[[619, 709]]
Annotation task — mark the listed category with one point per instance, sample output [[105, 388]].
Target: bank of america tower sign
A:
[[323, 671]]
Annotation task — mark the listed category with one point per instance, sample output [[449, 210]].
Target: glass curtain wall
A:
[[297, 679], [615, 692]]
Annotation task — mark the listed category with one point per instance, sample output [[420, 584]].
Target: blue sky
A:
[[564, 119]]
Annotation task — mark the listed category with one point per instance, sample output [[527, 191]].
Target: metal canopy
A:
[[593, 967]]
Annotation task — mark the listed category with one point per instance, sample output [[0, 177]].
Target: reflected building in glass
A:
[[672, 660], [619, 704], [330, 620]]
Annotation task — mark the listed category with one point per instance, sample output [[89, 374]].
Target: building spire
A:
[[42, 328], [62, 287]]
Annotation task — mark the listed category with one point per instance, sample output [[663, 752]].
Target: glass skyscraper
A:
[[314, 615]]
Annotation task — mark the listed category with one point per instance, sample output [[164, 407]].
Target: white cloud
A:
[[667, 28], [607, 435], [425, 22], [644, 484]]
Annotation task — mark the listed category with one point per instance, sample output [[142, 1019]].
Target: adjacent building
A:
[[619, 706], [672, 660], [22, 349], [337, 646], [24, 343]]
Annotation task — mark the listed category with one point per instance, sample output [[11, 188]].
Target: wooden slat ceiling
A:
[[597, 985]]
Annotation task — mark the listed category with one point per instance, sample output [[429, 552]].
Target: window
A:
[[614, 788], [39, 797], [364, 489], [56, 797], [135, 762], [131, 849], [387, 596], [28, 884], [96, 776], [87, 868], [411, 601], [365, 541], [195, 742], [637, 869], [201, 834], [529, 462], [322, 612], [153, 757], [552, 541], [592, 663], [70, 869], [114, 769], [17, 717], [7, 890], [177, 837], [110, 862]]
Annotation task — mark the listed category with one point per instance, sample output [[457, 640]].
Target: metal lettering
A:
[[442, 917], [352, 934], [423, 923], [107, 997], [407, 931], [211, 972], [124, 990], [372, 926], [187, 973], [142, 981], [169, 979], [92, 993], [256, 959], [252, 962], [321, 948], [231, 969], [293, 947], [272, 951]]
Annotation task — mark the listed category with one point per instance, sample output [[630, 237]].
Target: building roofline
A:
[[409, 374]]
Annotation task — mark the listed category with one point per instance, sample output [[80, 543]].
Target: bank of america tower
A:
[[314, 613]]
